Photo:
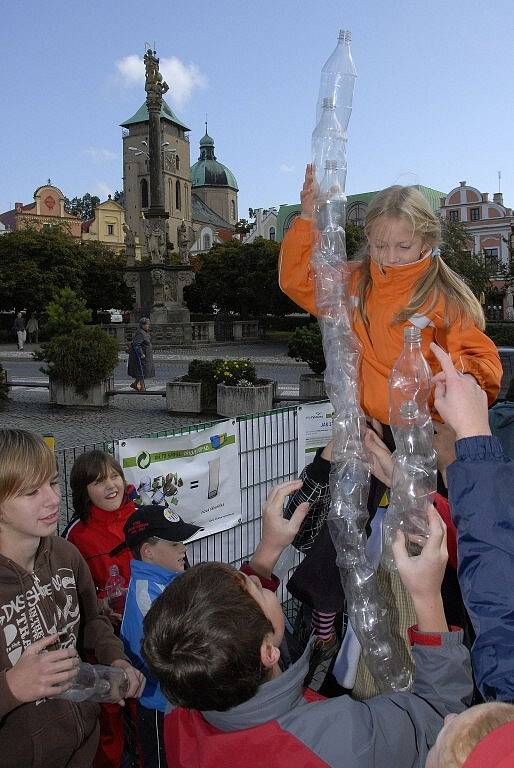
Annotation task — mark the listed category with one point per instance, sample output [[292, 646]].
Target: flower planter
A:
[[312, 386], [238, 401], [184, 396], [66, 394]]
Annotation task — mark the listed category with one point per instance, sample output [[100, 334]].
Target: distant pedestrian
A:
[[140, 363], [19, 328], [33, 329]]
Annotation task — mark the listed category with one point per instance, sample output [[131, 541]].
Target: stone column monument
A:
[[160, 283]]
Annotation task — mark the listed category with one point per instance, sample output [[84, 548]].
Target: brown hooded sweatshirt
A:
[[57, 597]]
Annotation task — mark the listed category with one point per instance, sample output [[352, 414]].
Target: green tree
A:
[[457, 252], [355, 239], [103, 284], [82, 206], [34, 263], [67, 312], [240, 278]]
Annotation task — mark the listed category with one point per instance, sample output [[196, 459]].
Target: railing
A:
[[267, 456]]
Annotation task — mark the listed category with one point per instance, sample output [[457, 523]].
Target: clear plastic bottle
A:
[[414, 479], [338, 80], [115, 590], [95, 682], [328, 141]]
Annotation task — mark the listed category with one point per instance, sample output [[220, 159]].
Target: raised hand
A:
[[459, 400]]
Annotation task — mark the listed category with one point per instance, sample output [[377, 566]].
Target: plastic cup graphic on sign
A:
[[214, 478]]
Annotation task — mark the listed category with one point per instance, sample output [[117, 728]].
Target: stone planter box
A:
[[312, 385], [65, 394], [184, 396], [238, 401]]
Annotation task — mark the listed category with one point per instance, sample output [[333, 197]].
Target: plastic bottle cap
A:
[[412, 334]]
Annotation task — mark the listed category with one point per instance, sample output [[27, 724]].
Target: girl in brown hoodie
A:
[[48, 618]]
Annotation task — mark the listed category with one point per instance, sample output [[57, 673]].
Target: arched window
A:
[[233, 209], [178, 202], [272, 233], [177, 162], [170, 194], [144, 193], [357, 213], [206, 241]]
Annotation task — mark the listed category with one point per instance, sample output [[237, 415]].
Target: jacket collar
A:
[[105, 518], [142, 570], [399, 276], [273, 699]]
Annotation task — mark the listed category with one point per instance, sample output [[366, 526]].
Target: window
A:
[[177, 162], [357, 213], [178, 201], [233, 209], [272, 233], [144, 193], [206, 241], [110, 229], [475, 214], [170, 194], [453, 215], [491, 258]]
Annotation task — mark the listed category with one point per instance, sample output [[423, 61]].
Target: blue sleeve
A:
[[481, 494]]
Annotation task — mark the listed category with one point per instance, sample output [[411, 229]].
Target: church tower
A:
[[214, 183], [175, 159]]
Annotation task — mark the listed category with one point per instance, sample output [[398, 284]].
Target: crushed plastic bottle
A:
[[350, 472], [115, 590], [95, 682], [414, 479]]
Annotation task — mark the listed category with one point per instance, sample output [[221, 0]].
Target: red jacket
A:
[[94, 538]]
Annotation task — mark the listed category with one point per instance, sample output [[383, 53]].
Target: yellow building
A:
[[107, 226]]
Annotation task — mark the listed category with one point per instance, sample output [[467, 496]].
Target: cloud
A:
[[283, 168], [103, 190], [99, 155], [182, 78]]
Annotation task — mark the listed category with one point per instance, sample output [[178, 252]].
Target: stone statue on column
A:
[[185, 240]]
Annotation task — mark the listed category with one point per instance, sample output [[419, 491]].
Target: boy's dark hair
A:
[[87, 468], [202, 639], [136, 551]]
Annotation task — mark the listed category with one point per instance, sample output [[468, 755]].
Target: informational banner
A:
[[314, 430], [195, 475]]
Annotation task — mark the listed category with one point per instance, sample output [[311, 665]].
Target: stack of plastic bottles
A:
[[349, 479]]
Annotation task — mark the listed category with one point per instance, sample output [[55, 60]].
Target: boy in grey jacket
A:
[[213, 641]]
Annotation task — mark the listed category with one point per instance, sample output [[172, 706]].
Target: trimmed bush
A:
[[501, 333], [305, 346], [81, 359]]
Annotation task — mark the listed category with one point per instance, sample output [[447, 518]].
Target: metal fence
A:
[[267, 456]]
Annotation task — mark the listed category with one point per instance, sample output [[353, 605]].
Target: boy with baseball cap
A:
[[156, 536]]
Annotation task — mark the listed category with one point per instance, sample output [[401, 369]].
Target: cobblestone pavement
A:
[[127, 415]]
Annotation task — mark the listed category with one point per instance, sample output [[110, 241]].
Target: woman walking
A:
[[140, 362]]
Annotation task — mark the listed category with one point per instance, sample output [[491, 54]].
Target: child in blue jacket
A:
[[155, 535]]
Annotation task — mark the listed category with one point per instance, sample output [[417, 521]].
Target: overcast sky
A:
[[433, 101]]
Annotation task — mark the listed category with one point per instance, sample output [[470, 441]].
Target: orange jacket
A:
[[391, 289]]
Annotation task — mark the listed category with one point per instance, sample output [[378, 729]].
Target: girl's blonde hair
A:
[[25, 462], [409, 204]]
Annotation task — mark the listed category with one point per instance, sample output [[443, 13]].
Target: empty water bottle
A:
[[95, 682], [338, 80], [115, 590], [414, 478]]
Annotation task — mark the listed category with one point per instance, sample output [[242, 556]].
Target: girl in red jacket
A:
[[102, 502]]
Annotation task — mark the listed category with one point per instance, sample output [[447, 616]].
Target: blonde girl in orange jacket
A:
[[400, 280]]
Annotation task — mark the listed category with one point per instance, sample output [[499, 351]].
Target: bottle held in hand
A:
[[95, 682], [115, 590]]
